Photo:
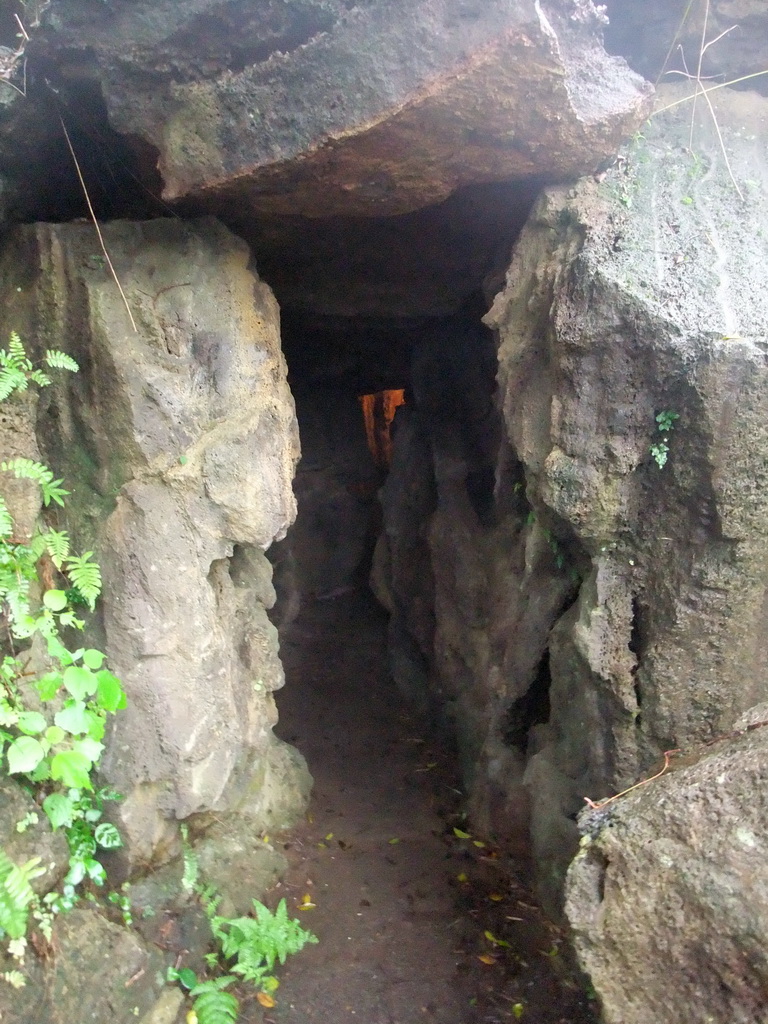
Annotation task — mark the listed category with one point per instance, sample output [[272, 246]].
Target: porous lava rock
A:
[[323, 107], [667, 895], [630, 300], [178, 442]]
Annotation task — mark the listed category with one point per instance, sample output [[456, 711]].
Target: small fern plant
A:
[[16, 894], [255, 944], [55, 750]]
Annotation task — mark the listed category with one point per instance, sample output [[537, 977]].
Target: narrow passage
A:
[[401, 905], [372, 856]]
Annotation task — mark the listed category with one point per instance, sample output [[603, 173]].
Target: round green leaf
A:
[[76, 873], [31, 722], [96, 872], [72, 768], [24, 755], [80, 681], [187, 978], [55, 600], [59, 808], [90, 748], [96, 726], [48, 685], [109, 694], [74, 719], [93, 659], [54, 734]]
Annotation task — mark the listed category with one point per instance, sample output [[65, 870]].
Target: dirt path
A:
[[401, 905]]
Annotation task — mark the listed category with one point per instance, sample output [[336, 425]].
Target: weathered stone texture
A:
[[370, 109], [336, 482], [668, 894], [643, 34], [627, 297], [179, 443], [103, 972]]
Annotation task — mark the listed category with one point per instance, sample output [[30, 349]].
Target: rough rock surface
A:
[[179, 443], [626, 298], [643, 33], [590, 609], [102, 972], [336, 481], [668, 895], [322, 107], [36, 840]]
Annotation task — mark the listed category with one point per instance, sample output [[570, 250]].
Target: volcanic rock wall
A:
[[179, 442]]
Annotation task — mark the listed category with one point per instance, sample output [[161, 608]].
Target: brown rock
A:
[[376, 109]]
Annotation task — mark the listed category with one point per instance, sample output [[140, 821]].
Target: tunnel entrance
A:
[[395, 397], [402, 892]]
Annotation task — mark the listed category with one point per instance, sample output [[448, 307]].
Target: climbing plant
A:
[[52, 720]]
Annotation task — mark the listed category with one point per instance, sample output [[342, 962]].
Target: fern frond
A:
[[60, 360], [85, 576], [56, 543], [16, 356], [16, 893], [27, 469], [40, 377], [16, 346], [6, 522], [11, 380], [212, 1004], [17, 600]]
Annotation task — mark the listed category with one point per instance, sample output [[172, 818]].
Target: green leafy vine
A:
[[52, 722]]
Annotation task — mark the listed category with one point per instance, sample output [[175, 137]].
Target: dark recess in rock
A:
[[531, 709]]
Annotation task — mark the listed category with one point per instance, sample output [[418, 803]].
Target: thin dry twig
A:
[[96, 225], [596, 806], [712, 88], [700, 89]]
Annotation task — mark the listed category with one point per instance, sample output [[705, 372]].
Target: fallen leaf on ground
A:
[[487, 958], [265, 999], [496, 897], [306, 903], [461, 835], [393, 842]]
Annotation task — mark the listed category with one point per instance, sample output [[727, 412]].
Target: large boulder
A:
[[323, 107], [178, 441], [634, 296], [668, 896]]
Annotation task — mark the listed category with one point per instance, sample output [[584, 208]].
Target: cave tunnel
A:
[[380, 317], [370, 306]]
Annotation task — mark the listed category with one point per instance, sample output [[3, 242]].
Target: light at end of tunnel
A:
[[379, 411]]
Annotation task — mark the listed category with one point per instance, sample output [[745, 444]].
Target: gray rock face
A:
[[179, 442], [335, 486], [326, 108], [37, 839], [667, 896], [644, 34], [627, 298], [102, 972]]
